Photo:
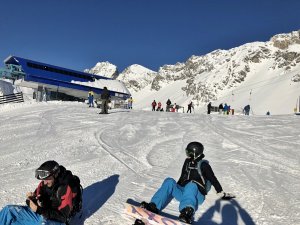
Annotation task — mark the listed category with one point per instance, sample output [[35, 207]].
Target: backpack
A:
[[77, 192], [206, 183]]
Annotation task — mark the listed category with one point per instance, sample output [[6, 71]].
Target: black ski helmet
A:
[[194, 149], [47, 169]]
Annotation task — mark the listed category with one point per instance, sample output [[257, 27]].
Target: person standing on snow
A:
[[50, 203], [158, 106], [247, 110], [130, 101], [91, 98], [194, 183], [209, 108], [221, 108], [190, 106], [168, 105], [105, 98], [153, 105]]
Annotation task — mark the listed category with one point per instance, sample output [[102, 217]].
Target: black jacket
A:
[[57, 200], [190, 173], [105, 94]]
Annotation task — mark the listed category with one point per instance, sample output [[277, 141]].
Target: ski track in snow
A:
[[128, 154]]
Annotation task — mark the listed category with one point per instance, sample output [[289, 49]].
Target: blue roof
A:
[[46, 74]]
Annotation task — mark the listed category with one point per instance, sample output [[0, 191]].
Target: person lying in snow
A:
[[194, 183]]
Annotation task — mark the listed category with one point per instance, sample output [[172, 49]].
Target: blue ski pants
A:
[[23, 215], [189, 195], [91, 101]]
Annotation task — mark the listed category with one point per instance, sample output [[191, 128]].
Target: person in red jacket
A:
[[51, 203], [153, 105]]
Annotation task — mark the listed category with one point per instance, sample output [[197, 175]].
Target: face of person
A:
[[49, 181]]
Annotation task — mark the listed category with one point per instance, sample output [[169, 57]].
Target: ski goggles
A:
[[42, 174]]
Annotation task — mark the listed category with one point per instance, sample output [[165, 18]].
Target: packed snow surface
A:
[[127, 155]]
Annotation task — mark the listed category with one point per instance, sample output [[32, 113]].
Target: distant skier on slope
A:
[[91, 98], [194, 183], [105, 98], [190, 107], [209, 108]]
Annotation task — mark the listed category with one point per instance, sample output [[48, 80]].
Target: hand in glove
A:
[[225, 196]]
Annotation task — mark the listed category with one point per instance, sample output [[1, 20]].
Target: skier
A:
[[105, 97], [194, 183], [91, 98], [190, 106], [209, 108], [168, 103], [158, 106], [153, 105], [221, 108], [49, 204], [130, 101], [247, 110], [225, 109]]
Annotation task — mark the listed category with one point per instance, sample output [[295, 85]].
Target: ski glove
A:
[[225, 196]]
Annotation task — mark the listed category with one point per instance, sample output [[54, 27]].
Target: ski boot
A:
[[138, 222], [150, 207], [186, 215]]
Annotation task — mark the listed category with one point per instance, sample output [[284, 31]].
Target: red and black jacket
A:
[[56, 202]]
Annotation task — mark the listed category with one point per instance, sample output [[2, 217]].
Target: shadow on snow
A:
[[95, 196], [229, 214]]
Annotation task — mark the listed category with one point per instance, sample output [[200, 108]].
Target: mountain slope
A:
[[268, 71]]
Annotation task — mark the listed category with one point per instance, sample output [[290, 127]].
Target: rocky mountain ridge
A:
[[208, 77]]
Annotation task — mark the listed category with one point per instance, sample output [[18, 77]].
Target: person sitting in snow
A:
[[50, 203], [194, 183]]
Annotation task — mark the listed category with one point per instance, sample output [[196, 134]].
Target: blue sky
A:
[[77, 34]]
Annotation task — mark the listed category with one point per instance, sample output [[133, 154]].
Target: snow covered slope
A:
[[128, 154]]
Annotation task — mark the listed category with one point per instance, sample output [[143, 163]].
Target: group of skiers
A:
[[226, 109], [58, 196], [170, 107]]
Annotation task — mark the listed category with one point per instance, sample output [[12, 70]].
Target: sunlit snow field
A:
[[127, 154]]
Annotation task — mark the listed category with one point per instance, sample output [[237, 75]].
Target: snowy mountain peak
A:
[[105, 69], [137, 77]]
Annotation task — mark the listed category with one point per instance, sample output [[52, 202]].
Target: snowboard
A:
[[149, 218]]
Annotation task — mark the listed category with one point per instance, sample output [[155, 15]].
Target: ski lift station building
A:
[[58, 82]]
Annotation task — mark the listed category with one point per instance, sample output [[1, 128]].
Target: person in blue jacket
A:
[[190, 190], [91, 98]]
